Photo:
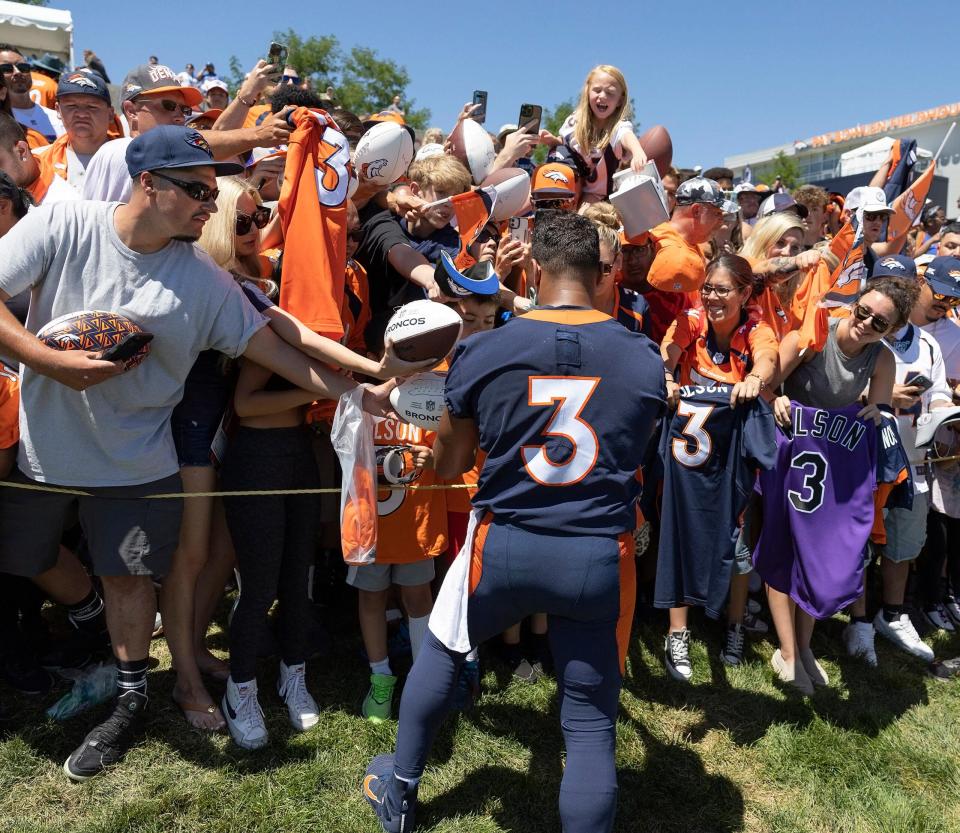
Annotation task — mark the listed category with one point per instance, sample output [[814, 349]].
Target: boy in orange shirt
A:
[[411, 532]]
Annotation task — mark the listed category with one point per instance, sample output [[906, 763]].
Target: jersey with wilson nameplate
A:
[[711, 454], [818, 508], [564, 400]]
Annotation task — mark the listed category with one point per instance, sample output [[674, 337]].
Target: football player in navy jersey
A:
[[562, 401]]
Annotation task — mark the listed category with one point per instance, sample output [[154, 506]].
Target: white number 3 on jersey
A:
[[697, 435], [569, 394]]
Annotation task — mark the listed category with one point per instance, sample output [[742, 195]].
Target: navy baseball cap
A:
[[943, 276], [173, 146], [83, 83], [896, 266]]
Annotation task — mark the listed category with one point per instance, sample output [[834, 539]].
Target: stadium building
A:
[[842, 159]]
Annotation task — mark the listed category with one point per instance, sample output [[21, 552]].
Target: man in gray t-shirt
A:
[[87, 424]]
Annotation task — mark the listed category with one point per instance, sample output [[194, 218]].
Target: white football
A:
[[423, 330], [479, 150], [513, 190], [383, 153], [419, 400]]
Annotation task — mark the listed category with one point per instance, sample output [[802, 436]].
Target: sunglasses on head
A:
[[171, 106], [259, 218], [21, 66], [198, 191], [877, 322]]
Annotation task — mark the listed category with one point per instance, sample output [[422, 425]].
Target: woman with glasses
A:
[[718, 342], [852, 361]]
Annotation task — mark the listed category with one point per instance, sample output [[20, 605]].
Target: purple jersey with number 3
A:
[[818, 509]]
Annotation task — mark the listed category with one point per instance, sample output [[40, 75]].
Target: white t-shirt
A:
[[593, 157], [44, 121], [116, 433], [947, 333], [917, 352], [106, 177]]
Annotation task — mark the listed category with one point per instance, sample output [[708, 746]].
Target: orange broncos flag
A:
[[313, 215], [473, 209], [909, 204]]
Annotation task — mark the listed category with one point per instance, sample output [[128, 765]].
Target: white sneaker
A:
[[903, 634], [676, 651], [292, 688], [243, 714], [858, 637], [939, 619]]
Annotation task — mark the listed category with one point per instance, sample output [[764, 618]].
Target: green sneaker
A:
[[377, 704]]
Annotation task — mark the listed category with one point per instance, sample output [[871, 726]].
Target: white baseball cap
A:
[[869, 199], [215, 84]]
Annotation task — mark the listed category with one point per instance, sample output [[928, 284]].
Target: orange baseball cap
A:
[[554, 180], [383, 115], [642, 239]]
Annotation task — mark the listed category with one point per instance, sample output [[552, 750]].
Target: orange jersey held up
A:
[[412, 523], [313, 213], [9, 407]]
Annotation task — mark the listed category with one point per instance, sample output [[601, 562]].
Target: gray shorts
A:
[[906, 530], [377, 577], [126, 534]]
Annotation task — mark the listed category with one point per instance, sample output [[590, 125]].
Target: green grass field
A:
[[877, 752]]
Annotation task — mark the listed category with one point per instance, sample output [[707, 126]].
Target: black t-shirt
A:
[[381, 232]]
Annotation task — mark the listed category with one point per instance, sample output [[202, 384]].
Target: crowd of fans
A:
[[112, 209]]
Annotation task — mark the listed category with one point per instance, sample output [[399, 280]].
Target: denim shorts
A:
[[195, 420]]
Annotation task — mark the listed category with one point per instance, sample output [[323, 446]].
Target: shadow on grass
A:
[[867, 700]]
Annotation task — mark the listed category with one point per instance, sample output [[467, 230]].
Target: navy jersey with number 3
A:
[[711, 453], [564, 401]]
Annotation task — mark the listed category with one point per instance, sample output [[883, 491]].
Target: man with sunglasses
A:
[[678, 264], [151, 95], [918, 356], [16, 77], [113, 439]]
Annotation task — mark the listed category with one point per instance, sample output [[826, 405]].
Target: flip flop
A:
[[199, 708]]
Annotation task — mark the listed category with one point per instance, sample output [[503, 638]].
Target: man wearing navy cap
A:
[[88, 424], [83, 103], [920, 387]]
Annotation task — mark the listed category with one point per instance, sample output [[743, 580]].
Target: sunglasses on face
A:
[[877, 323], [874, 215], [198, 191], [22, 66], [259, 218], [170, 106], [946, 300], [721, 292], [605, 268]]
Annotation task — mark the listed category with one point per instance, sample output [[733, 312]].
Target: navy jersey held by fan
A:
[[564, 401], [818, 509], [711, 453]]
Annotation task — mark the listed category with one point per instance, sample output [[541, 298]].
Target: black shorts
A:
[[195, 420], [127, 534]]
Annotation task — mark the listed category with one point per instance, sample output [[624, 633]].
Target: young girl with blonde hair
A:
[[597, 134]]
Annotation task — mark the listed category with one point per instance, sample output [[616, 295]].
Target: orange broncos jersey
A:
[[44, 90], [9, 407], [412, 524], [701, 362]]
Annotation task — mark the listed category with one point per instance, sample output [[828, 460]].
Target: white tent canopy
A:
[[869, 157], [37, 29]]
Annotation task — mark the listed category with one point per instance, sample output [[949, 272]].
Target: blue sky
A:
[[722, 77]]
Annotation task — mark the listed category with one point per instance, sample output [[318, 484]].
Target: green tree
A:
[[32, 2], [782, 166], [363, 82]]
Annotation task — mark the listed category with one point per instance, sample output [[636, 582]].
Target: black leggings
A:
[[274, 536], [943, 544]]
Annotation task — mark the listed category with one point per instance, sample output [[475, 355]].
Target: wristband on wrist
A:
[[244, 101], [759, 379]]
